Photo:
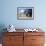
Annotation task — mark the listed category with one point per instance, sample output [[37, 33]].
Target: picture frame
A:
[[25, 13]]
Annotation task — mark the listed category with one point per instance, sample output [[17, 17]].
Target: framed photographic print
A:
[[25, 13]]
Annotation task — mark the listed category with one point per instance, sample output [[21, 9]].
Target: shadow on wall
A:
[[2, 26]]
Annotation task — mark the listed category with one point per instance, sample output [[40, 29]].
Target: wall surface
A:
[[8, 13]]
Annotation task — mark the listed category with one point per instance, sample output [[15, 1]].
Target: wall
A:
[[8, 13]]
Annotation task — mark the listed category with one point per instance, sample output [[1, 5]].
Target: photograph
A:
[[25, 13]]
